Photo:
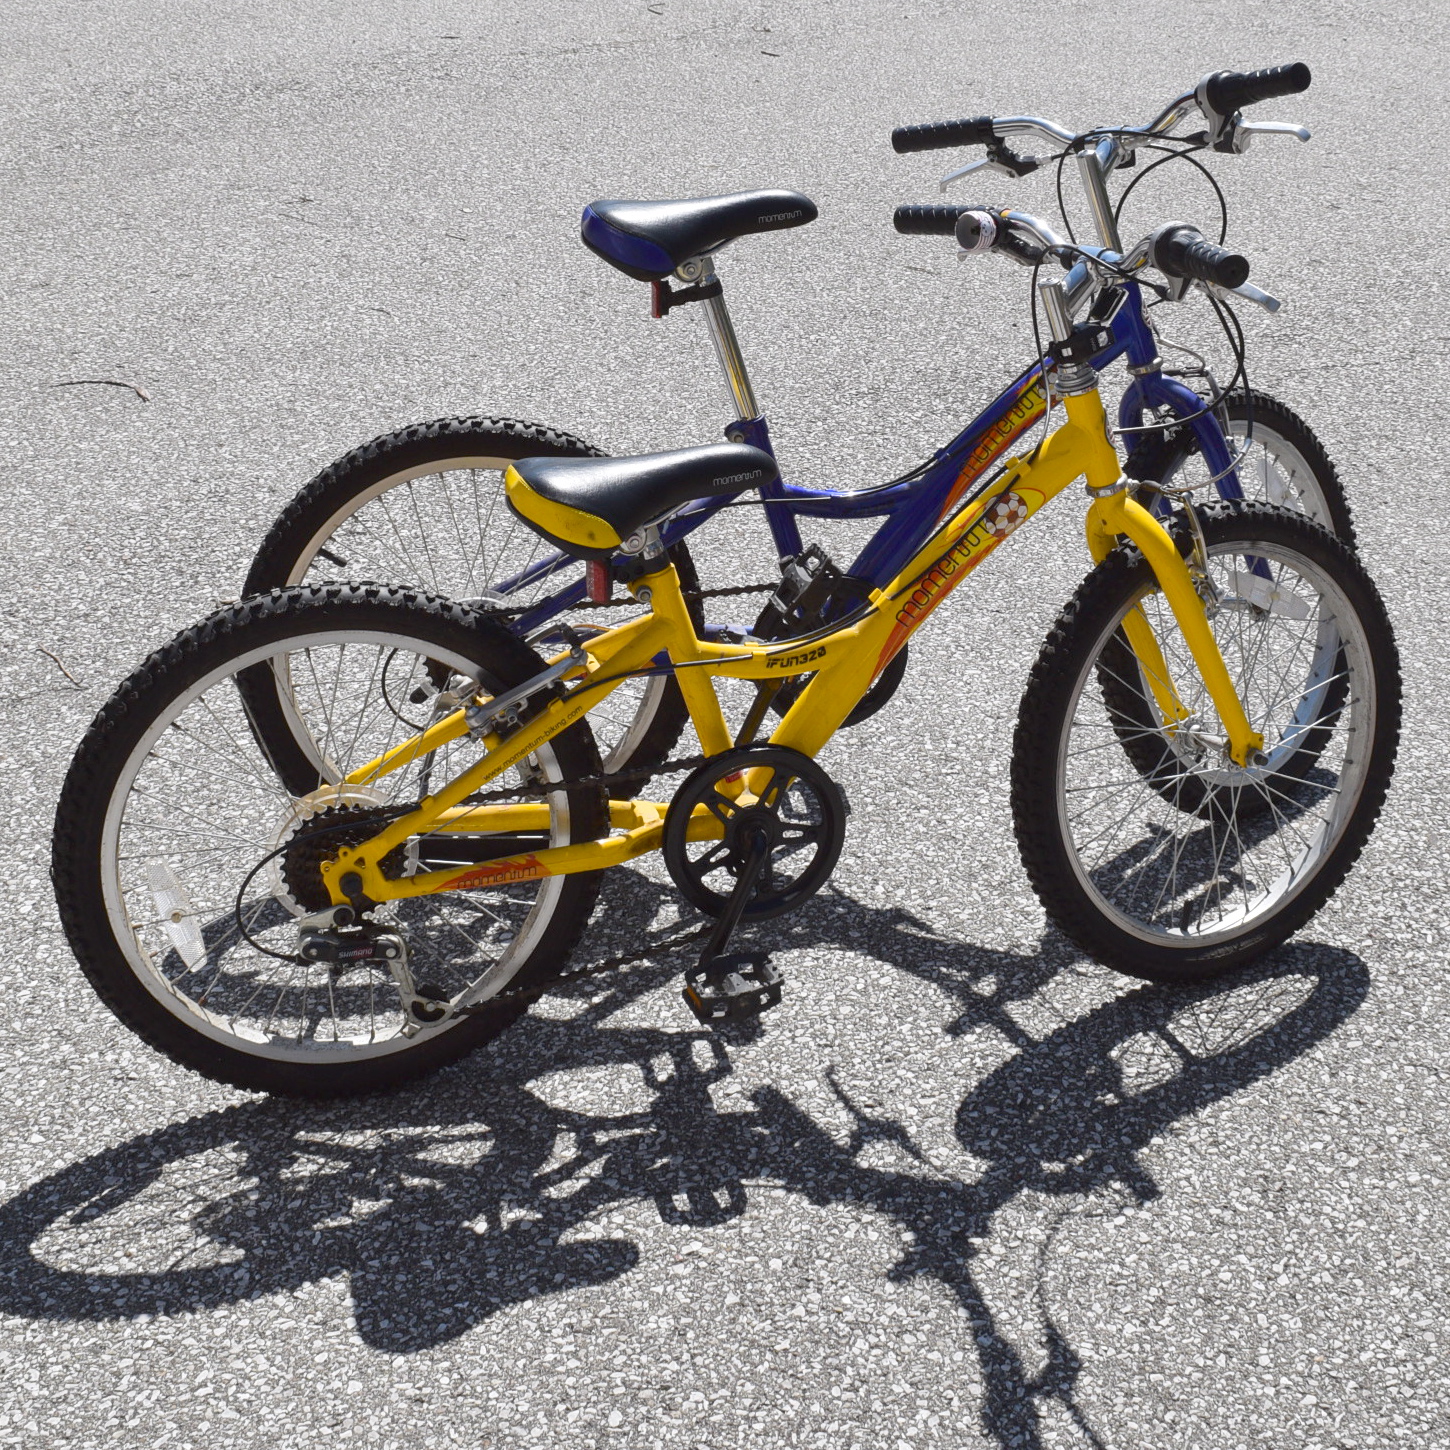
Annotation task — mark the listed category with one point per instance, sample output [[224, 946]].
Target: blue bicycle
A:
[[424, 506]]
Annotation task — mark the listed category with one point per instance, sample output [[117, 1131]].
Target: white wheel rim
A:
[[1265, 874], [118, 895]]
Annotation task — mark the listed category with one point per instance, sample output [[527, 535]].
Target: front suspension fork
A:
[[1115, 514]]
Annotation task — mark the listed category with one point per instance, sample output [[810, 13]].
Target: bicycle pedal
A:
[[732, 987]]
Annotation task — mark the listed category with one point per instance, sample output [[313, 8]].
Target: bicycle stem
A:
[[1092, 171]]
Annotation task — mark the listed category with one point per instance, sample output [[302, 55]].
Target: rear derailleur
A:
[[338, 938]]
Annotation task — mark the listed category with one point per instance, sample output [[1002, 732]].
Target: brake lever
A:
[[1245, 131], [1001, 158], [1247, 292], [982, 163]]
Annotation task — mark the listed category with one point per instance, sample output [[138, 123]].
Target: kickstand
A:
[[734, 985]]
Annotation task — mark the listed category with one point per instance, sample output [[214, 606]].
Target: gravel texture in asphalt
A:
[[964, 1187]]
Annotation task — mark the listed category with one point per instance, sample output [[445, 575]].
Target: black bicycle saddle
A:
[[649, 239], [588, 506]]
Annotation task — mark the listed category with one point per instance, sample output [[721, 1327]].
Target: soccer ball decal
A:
[[1004, 516]]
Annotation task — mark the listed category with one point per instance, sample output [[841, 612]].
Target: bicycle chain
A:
[[619, 777]]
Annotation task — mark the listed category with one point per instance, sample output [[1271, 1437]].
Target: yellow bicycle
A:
[[380, 874]]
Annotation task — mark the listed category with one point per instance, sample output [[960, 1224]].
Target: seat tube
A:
[[666, 601]]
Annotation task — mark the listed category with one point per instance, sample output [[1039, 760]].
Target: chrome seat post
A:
[[699, 271]]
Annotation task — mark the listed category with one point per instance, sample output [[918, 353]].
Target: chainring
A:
[[799, 808]]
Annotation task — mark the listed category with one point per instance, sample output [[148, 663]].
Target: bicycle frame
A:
[[913, 508], [842, 662]]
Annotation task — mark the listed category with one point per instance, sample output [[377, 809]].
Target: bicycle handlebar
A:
[[935, 135], [980, 229], [927, 221], [1218, 96], [1226, 91], [1177, 250], [1181, 251]]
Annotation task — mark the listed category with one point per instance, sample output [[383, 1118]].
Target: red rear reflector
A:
[[597, 582]]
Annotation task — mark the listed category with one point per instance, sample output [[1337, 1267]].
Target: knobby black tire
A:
[[1272, 421], [287, 553], [1040, 739], [109, 744]]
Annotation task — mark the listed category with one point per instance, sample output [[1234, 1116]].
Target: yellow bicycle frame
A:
[[842, 663]]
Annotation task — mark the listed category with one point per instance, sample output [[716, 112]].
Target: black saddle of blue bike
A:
[[649, 239]]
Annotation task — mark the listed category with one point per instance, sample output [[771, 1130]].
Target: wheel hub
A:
[[744, 828]]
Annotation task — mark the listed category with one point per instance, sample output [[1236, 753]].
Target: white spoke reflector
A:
[[1263, 595], [1271, 481], [177, 914]]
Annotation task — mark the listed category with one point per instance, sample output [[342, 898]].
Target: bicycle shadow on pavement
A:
[[447, 1202]]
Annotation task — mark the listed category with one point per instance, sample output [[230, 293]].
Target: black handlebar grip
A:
[[937, 135], [1229, 90], [1182, 252], [928, 221]]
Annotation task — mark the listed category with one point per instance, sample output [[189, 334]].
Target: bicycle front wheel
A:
[[1189, 874], [182, 863], [1281, 461], [424, 507]]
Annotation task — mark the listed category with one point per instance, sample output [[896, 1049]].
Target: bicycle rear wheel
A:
[[424, 507], [1282, 463], [182, 863], [1121, 864]]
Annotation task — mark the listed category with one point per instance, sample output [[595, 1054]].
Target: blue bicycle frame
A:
[[913, 507]]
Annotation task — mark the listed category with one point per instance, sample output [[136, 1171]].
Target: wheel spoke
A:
[[1168, 837], [203, 815]]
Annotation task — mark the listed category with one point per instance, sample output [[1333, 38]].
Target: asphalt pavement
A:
[[963, 1187]]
